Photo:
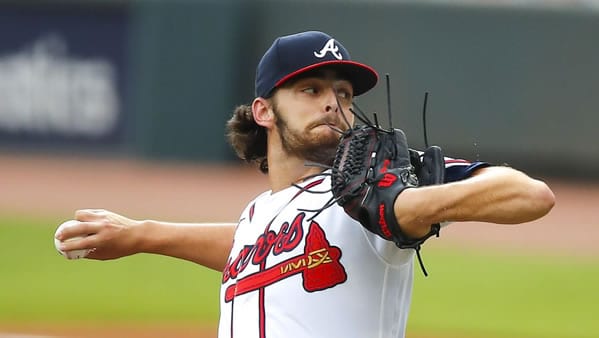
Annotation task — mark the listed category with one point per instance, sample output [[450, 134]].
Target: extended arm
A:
[[114, 236], [493, 194]]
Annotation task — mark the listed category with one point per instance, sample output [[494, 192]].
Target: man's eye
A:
[[309, 90], [344, 94]]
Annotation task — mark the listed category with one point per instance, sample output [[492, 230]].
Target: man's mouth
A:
[[333, 124]]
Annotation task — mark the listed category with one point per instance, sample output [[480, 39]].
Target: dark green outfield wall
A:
[[506, 85]]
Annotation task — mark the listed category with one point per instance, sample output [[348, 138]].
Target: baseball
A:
[[73, 254]]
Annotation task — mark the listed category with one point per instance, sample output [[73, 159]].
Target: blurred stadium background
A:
[[121, 104]]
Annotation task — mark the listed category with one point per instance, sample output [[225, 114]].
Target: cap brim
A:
[[362, 77]]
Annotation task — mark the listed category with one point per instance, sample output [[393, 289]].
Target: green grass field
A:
[[38, 284], [468, 293], [491, 294]]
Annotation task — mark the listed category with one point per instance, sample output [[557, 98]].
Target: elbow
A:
[[543, 198], [549, 199]]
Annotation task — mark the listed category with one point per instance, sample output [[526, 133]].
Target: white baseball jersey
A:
[[296, 273]]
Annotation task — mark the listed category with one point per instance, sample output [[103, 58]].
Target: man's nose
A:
[[332, 102]]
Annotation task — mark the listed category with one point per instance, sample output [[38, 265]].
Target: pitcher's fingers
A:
[[81, 229], [88, 242], [90, 214]]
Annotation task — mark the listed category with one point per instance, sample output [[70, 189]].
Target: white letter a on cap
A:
[[329, 47]]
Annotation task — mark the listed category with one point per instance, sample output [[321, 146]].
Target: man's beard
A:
[[319, 148]]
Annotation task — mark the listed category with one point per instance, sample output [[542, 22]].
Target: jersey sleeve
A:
[[458, 169]]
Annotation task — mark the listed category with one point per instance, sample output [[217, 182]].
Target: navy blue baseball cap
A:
[[295, 54]]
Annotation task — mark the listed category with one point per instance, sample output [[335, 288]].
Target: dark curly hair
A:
[[247, 138]]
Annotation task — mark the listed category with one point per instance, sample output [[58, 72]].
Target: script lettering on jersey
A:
[[287, 239], [318, 264], [330, 46]]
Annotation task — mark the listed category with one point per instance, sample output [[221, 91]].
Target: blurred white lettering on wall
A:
[[44, 90]]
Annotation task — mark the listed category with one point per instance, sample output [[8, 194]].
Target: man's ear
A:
[[262, 111]]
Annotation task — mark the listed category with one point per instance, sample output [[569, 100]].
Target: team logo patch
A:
[[322, 269], [331, 47]]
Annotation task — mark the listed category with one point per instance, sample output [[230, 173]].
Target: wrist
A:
[[142, 234], [412, 212]]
